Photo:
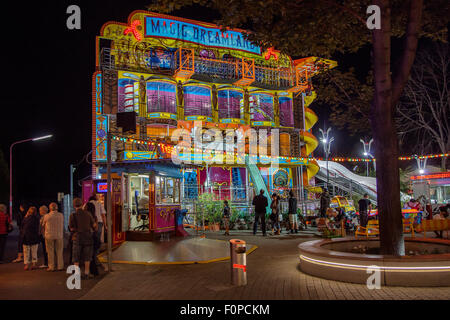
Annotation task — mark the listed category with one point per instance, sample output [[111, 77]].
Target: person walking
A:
[[19, 219], [364, 206], [260, 202], [90, 207], [43, 211], [30, 238], [293, 223], [5, 228], [324, 203], [53, 224], [274, 216], [226, 217], [100, 213], [82, 224]]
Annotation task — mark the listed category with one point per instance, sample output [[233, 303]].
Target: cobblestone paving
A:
[[272, 274]]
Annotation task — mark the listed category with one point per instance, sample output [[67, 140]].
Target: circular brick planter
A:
[[332, 259]]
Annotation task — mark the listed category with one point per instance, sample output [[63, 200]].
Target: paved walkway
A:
[[272, 274], [15, 283]]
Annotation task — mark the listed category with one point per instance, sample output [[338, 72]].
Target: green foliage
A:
[[235, 214], [210, 208]]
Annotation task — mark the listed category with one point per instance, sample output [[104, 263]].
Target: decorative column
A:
[[276, 110], [215, 104]]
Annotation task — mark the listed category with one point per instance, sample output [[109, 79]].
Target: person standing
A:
[[30, 238], [274, 217], [82, 224], [226, 217], [43, 211], [5, 228], [90, 207], [53, 224], [100, 213], [293, 223], [19, 218], [260, 202], [364, 207]]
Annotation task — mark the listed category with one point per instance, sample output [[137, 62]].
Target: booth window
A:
[[167, 190], [261, 107], [286, 112], [161, 97], [197, 101], [230, 104]]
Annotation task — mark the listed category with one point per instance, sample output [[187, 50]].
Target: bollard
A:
[[238, 260]]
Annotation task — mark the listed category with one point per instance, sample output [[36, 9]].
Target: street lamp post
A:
[[367, 153], [326, 140], [10, 167]]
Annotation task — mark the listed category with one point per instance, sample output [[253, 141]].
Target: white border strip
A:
[[363, 267]]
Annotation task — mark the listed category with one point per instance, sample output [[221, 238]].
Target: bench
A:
[[372, 229], [435, 225]]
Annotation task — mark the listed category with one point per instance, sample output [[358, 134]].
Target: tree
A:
[[424, 109], [348, 98], [322, 27]]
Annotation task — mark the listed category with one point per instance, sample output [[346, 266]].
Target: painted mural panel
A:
[[261, 107], [286, 111], [161, 97], [197, 101], [230, 104]]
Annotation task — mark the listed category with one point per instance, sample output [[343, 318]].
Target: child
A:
[[226, 217], [30, 236]]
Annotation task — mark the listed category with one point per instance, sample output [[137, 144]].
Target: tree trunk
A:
[[385, 140]]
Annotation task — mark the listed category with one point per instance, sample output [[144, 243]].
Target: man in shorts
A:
[[82, 224]]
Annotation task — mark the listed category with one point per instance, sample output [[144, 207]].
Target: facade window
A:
[[231, 104], [167, 190], [261, 107], [286, 112], [197, 101], [161, 97]]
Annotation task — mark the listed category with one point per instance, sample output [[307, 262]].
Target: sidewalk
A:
[[15, 283], [272, 274]]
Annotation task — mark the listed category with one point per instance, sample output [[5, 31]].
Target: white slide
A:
[[337, 172]]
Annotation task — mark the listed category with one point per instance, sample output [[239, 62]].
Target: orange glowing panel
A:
[[133, 29], [432, 176]]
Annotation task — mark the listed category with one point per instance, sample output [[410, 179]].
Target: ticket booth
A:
[[151, 196], [99, 187]]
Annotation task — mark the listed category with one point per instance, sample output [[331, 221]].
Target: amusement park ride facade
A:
[[172, 73]]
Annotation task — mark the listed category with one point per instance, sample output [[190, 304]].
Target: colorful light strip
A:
[[337, 159]]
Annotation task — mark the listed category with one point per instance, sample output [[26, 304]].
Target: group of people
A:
[[261, 203], [45, 227]]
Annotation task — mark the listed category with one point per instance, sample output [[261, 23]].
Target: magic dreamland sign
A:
[[211, 37]]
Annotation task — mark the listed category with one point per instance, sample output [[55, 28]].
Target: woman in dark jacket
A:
[[30, 238], [19, 218], [90, 207]]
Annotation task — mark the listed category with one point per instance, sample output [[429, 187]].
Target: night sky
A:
[[47, 72]]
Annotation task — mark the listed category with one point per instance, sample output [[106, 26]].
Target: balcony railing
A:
[[184, 64]]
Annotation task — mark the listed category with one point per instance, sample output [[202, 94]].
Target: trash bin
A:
[[238, 259]]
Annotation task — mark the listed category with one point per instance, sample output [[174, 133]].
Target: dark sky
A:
[[47, 72]]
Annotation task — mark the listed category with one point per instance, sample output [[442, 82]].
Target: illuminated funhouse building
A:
[[156, 74]]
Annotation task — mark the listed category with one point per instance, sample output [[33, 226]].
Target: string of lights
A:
[[336, 159]]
